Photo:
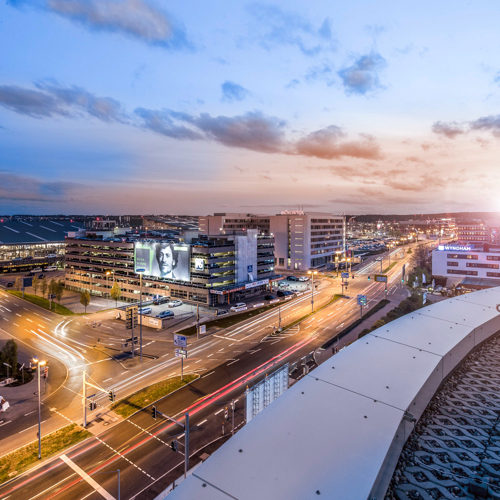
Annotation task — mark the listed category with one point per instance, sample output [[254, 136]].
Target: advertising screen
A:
[[163, 259]]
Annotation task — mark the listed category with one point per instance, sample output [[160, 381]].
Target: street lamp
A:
[[312, 273], [140, 272], [107, 274], [337, 253], [40, 363]]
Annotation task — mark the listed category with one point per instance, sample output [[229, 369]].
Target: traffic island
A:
[[16, 462], [143, 398], [43, 303]]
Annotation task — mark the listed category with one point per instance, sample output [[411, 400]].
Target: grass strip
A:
[[41, 302], [140, 399], [18, 461], [390, 267], [354, 324]]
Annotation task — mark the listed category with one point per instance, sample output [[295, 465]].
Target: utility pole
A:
[[198, 321], [232, 406], [140, 326]]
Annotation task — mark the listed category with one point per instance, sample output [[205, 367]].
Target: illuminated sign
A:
[[163, 259], [292, 212], [199, 264], [455, 248]]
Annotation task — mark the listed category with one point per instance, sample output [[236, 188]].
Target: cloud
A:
[[50, 100], [488, 123], [136, 19], [162, 122], [233, 92], [362, 77], [14, 187], [328, 143], [322, 71], [449, 130], [273, 27]]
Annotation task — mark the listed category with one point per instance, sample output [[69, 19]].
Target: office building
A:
[[303, 240], [479, 232]]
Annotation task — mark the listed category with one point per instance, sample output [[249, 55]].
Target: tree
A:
[[52, 286], [85, 299], [43, 287], [59, 291], [36, 284], [116, 292], [419, 257], [9, 356], [18, 284]]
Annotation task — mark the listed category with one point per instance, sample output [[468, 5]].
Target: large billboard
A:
[[163, 259]]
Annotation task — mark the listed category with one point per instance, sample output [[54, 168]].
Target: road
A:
[[227, 362]]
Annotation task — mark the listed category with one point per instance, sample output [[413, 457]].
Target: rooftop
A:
[[36, 231]]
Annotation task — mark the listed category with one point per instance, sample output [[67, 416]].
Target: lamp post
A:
[[140, 272], [312, 273], [107, 274], [40, 364], [337, 252]]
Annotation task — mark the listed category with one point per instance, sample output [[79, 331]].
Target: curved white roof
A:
[[338, 432]]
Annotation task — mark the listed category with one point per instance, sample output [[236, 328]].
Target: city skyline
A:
[[109, 107]]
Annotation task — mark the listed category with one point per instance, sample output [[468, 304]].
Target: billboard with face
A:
[[163, 259]]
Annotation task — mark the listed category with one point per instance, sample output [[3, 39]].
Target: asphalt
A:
[[226, 362]]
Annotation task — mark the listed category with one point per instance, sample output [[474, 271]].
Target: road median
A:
[[18, 461], [43, 303], [148, 395]]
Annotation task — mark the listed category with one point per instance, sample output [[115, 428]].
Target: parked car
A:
[[304, 278], [269, 297], [17, 259], [165, 314], [288, 293], [284, 285], [30, 274], [292, 278], [221, 312], [161, 300], [9, 284], [37, 270], [239, 306], [41, 276], [53, 268], [280, 293], [28, 258], [175, 303], [52, 256], [145, 310]]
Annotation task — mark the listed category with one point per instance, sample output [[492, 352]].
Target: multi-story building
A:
[[221, 269], [302, 240], [479, 232], [460, 261]]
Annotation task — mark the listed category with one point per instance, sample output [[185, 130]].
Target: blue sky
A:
[[130, 106]]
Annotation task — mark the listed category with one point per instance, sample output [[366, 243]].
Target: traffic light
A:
[[173, 445], [153, 412], [226, 414], [368, 278], [112, 396], [131, 317], [402, 280], [92, 405], [385, 289]]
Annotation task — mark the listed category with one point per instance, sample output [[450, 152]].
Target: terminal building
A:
[[195, 268], [303, 240]]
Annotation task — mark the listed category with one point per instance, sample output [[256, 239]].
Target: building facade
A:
[[460, 261], [479, 232], [222, 269], [303, 240]]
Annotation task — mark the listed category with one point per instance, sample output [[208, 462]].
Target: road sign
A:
[[344, 275], [180, 340], [203, 328], [361, 300], [381, 278], [51, 295], [131, 317], [181, 353], [424, 298], [27, 282]]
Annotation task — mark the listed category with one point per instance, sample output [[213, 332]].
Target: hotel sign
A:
[[292, 212], [455, 248]]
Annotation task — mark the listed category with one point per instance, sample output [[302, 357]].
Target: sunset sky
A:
[[131, 106]]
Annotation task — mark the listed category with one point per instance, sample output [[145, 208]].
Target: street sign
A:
[[203, 328], [344, 275], [27, 282], [181, 353], [51, 295], [361, 300], [424, 298], [381, 278], [180, 340]]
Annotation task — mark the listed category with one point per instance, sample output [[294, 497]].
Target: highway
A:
[[140, 446]]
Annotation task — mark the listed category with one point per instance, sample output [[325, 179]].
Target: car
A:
[[145, 310], [9, 284], [221, 312], [54, 268], [269, 297], [52, 256], [175, 303], [41, 276], [161, 300], [239, 306], [37, 270], [17, 259], [304, 278], [280, 293], [28, 258], [165, 314], [30, 274], [284, 285], [292, 278]]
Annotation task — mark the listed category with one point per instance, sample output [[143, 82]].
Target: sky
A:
[[141, 107]]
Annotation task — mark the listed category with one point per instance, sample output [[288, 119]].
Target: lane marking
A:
[[232, 362], [208, 374], [201, 423], [87, 478]]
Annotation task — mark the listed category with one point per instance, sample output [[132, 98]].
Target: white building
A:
[[303, 240], [460, 261]]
